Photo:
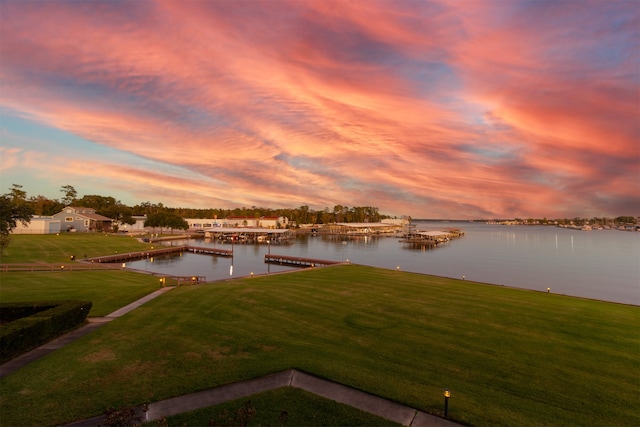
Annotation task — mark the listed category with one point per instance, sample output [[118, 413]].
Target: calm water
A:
[[602, 264]]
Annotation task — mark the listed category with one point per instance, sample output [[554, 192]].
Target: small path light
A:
[[62, 268], [447, 395], [548, 290], [398, 268]]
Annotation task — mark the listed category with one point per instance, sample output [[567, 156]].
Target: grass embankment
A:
[[509, 356], [59, 248], [107, 290]]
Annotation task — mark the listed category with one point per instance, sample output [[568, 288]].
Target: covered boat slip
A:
[[431, 237], [248, 234], [359, 228]]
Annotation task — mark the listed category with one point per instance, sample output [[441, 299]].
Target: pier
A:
[[132, 256], [297, 261], [209, 251]]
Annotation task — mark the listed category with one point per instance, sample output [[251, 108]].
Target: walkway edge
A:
[[375, 405]]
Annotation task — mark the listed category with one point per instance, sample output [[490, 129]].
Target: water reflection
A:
[[596, 264]]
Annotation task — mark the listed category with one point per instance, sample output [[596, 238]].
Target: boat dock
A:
[[250, 234], [431, 237], [297, 261], [209, 251], [132, 256]]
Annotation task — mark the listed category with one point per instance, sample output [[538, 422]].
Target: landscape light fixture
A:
[[447, 395]]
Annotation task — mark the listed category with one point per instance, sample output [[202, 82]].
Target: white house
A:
[[38, 225], [138, 227]]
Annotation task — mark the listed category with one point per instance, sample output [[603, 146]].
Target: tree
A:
[[18, 195], [12, 210], [175, 222], [165, 219], [44, 206], [70, 194]]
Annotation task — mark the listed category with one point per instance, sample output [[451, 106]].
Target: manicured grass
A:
[[286, 406], [59, 248], [107, 290], [509, 356]]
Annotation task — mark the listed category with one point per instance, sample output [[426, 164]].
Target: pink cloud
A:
[[439, 108]]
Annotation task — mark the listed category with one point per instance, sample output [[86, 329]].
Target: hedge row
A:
[[45, 320]]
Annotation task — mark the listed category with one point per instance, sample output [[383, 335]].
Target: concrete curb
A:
[[384, 408]]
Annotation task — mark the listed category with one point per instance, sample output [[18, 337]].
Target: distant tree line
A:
[[112, 208], [619, 220]]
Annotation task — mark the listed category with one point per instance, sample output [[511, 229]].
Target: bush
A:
[[45, 320]]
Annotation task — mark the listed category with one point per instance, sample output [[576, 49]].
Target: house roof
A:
[[95, 217], [89, 215]]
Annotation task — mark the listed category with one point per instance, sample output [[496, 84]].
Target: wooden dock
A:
[[297, 261], [132, 256], [209, 251]]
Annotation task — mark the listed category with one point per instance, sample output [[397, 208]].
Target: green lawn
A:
[[509, 356], [107, 290], [59, 248]]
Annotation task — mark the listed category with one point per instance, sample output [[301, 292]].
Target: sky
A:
[[434, 109]]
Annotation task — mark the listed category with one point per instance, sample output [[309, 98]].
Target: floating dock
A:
[[297, 261]]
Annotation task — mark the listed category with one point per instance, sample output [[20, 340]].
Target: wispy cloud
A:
[[434, 109]]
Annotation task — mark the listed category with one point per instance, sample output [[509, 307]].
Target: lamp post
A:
[[447, 395]]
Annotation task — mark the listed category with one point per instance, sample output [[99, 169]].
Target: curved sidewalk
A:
[[387, 409]]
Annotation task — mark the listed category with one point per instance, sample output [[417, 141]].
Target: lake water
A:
[[601, 264]]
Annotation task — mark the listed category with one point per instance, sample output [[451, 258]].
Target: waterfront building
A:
[[38, 225], [81, 219]]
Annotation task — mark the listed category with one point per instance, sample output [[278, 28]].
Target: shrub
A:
[[45, 320]]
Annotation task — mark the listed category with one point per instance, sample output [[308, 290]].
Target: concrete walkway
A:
[[387, 409], [292, 378]]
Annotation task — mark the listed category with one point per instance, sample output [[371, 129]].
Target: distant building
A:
[[80, 219], [38, 225], [202, 223], [256, 222], [137, 227]]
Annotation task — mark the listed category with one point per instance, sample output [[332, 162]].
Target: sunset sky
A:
[[434, 109]]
